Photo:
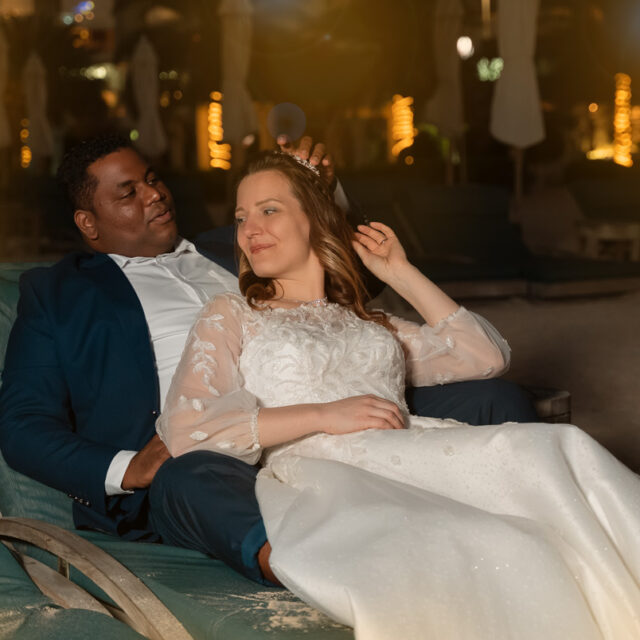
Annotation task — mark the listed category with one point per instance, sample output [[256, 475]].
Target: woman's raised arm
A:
[[454, 344]]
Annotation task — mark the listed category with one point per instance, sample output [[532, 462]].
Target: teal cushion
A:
[[23, 497], [212, 600], [26, 614]]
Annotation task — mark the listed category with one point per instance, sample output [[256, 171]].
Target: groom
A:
[[91, 356]]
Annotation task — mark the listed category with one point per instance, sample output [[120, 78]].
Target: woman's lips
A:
[[257, 248]]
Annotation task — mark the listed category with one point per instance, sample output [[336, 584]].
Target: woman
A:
[[435, 530]]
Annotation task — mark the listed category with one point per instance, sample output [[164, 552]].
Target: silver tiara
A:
[[304, 163]]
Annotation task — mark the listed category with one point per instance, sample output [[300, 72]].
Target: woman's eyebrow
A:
[[271, 199]]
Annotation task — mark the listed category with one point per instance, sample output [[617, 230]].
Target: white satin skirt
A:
[[450, 532]]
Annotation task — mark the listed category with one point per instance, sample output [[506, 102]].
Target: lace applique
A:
[[213, 321], [204, 362], [198, 435]]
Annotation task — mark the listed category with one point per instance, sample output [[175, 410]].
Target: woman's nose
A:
[[251, 227]]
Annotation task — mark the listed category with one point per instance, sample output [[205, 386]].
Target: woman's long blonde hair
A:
[[330, 237]]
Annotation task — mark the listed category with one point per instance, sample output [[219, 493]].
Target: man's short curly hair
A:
[[72, 175]]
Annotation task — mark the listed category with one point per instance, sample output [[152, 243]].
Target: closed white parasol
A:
[[445, 107], [152, 140], [516, 118], [239, 117]]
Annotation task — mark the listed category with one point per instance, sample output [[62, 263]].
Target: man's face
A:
[[133, 212]]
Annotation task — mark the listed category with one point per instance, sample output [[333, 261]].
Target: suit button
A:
[[154, 413]]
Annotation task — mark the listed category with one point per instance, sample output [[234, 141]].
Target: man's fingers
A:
[[304, 148], [285, 143], [317, 154]]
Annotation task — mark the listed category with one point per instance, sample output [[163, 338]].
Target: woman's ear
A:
[[86, 222]]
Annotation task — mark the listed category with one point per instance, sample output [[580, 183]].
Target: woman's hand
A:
[[380, 251], [358, 413]]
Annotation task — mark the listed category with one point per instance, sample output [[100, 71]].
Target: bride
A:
[[399, 526]]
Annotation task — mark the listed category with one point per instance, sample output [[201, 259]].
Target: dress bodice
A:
[[319, 354]]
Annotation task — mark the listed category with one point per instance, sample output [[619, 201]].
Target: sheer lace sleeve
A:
[[207, 406], [463, 346]]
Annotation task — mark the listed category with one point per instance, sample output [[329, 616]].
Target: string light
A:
[[25, 156], [402, 129], [25, 149], [219, 152], [622, 141]]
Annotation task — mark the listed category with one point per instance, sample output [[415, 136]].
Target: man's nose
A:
[[153, 193]]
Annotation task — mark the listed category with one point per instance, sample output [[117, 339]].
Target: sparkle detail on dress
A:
[[253, 426], [318, 302]]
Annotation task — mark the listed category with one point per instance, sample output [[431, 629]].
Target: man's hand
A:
[[315, 154], [145, 464]]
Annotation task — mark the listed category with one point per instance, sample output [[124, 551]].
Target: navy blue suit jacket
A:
[[80, 384]]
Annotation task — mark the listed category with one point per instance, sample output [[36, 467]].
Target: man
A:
[[92, 352]]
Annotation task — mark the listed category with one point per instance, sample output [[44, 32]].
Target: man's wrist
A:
[[116, 471]]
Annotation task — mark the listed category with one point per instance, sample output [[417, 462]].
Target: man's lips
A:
[[162, 216], [257, 248]]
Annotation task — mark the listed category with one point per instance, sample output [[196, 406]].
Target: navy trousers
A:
[[206, 501]]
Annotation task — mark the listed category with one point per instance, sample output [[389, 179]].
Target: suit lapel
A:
[[121, 302]]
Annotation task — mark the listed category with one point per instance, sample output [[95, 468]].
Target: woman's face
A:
[[273, 230]]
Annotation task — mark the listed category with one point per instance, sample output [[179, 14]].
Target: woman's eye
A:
[[152, 179], [269, 211], [239, 220]]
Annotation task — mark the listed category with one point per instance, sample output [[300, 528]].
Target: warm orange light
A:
[[219, 152], [25, 156], [109, 97], [593, 107], [622, 141], [402, 129]]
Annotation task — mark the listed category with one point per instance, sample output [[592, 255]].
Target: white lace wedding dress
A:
[[440, 531]]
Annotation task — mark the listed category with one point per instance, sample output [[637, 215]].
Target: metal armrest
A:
[[137, 606]]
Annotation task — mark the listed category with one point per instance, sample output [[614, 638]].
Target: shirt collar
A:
[[182, 246]]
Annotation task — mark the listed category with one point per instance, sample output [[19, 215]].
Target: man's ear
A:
[[86, 221]]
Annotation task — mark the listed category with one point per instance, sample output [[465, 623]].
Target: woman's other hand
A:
[[380, 251], [358, 413]]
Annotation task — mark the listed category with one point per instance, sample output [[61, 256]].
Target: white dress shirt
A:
[[172, 288]]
